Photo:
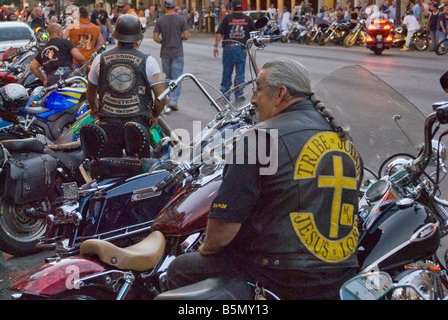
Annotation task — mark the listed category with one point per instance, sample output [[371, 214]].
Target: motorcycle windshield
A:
[[381, 121]]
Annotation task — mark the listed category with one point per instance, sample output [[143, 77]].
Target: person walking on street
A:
[[124, 6], [170, 30], [55, 58], [101, 19], [431, 25], [85, 34], [235, 30], [123, 78]]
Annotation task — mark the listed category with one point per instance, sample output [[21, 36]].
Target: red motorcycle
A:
[[378, 35]]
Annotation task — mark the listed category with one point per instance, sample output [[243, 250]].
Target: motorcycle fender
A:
[[57, 277]]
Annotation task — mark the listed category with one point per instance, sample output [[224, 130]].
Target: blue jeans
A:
[[104, 33], [173, 68], [233, 57]]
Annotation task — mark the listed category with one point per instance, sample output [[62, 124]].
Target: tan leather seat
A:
[[141, 256]]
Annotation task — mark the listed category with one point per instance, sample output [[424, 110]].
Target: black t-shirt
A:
[[55, 54], [101, 15], [236, 26], [38, 22]]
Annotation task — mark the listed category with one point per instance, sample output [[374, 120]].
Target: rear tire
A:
[[19, 231]]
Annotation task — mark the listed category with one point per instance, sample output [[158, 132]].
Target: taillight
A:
[[387, 27], [369, 39], [389, 38], [372, 27]]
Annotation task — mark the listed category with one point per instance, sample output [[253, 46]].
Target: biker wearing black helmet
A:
[[121, 77]]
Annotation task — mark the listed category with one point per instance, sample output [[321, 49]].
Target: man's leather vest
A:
[[306, 216], [124, 89]]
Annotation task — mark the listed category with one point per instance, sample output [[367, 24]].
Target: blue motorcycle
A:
[[46, 114]]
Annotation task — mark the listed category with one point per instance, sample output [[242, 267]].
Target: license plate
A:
[[379, 45], [379, 37], [70, 191]]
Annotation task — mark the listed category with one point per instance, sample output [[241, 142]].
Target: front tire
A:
[[350, 40], [19, 230], [442, 48]]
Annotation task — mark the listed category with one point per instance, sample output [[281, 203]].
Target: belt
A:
[[234, 45]]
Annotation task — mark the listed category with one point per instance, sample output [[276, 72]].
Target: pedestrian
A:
[[86, 36], [235, 30], [442, 25], [431, 25], [123, 79], [37, 19], [170, 30], [100, 17], [55, 57], [278, 229], [393, 12], [272, 12], [196, 20], [284, 19], [412, 25], [124, 6]]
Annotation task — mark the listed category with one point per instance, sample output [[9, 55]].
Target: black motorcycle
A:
[[420, 39], [356, 35], [335, 32], [402, 224]]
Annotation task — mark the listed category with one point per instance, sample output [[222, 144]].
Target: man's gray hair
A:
[[289, 73]]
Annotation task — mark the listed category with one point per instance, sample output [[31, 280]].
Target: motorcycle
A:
[[378, 36], [442, 46], [315, 32], [402, 224], [293, 32], [335, 33], [357, 34], [189, 186], [420, 39], [49, 112]]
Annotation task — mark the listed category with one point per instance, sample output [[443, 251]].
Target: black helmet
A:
[[128, 29]]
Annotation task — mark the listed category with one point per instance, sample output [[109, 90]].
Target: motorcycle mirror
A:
[[444, 81], [368, 286], [260, 23]]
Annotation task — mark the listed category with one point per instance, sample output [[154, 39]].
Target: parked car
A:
[[257, 14], [14, 34]]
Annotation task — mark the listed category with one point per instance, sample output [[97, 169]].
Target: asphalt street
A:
[[414, 74]]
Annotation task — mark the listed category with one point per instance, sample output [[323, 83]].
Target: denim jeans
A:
[[173, 68], [233, 57], [104, 33]]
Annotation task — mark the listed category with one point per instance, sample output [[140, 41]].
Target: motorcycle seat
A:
[[71, 159], [217, 288], [141, 256], [23, 145]]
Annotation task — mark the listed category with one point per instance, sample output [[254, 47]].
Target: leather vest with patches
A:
[[307, 212], [124, 89]]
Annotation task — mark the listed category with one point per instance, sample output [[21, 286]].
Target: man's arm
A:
[[217, 40], [219, 234], [158, 105], [78, 56], [99, 42], [156, 37], [186, 35], [35, 68], [92, 99]]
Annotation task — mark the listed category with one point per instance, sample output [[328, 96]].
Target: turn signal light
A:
[[389, 38], [369, 39], [387, 27]]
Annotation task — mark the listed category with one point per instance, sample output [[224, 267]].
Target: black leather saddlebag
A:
[[29, 177]]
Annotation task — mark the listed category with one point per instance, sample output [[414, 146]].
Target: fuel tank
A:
[[188, 212], [401, 232]]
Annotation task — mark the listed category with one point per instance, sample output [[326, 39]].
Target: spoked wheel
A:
[[421, 44], [19, 230], [349, 40], [442, 48]]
